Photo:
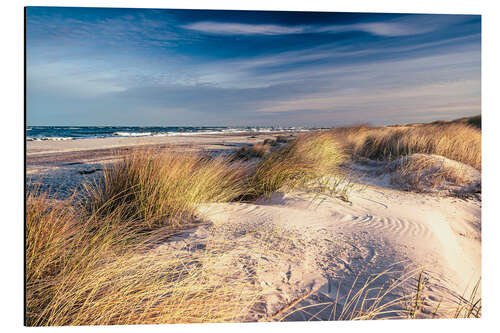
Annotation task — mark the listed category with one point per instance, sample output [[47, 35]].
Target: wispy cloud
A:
[[401, 26], [380, 29], [221, 28]]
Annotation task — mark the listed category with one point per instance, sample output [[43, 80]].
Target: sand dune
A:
[[344, 240]]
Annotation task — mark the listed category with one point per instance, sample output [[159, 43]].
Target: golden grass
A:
[[164, 188], [87, 271], [424, 173], [61, 245], [456, 141], [48, 231], [308, 157]]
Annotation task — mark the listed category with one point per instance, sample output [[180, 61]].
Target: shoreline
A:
[[61, 166], [222, 139], [47, 154]]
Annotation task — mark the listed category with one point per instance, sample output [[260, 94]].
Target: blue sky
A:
[[103, 66]]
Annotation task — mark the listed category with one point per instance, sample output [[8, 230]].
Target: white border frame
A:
[[12, 137]]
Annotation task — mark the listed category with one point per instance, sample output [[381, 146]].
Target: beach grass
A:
[[83, 271], [306, 158], [457, 141], [158, 189], [427, 173], [390, 294], [258, 150]]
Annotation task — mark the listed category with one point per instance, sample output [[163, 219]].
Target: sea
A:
[[39, 133]]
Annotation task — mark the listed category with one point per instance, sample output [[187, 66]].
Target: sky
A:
[[160, 67]]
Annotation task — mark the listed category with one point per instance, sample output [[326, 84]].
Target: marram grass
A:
[[306, 158], [457, 141], [165, 188]]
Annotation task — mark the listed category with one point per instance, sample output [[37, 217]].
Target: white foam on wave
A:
[[132, 133], [234, 130], [54, 138], [185, 133]]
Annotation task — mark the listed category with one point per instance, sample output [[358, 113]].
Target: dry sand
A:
[[337, 242], [326, 245]]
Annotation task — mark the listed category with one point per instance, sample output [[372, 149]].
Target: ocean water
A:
[[36, 133]]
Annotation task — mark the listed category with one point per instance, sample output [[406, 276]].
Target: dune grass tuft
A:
[[61, 246], [390, 294], [308, 157], [457, 141], [429, 173], [165, 188], [48, 229]]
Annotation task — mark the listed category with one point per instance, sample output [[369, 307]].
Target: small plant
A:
[[414, 304], [427, 173], [338, 186], [471, 306]]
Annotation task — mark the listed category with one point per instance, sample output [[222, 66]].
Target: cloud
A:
[[220, 28], [130, 30], [383, 29], [376, 28], [417, 98], [401, 26]]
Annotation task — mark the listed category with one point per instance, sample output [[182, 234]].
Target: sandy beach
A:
[[328, 246], [65, 164]]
